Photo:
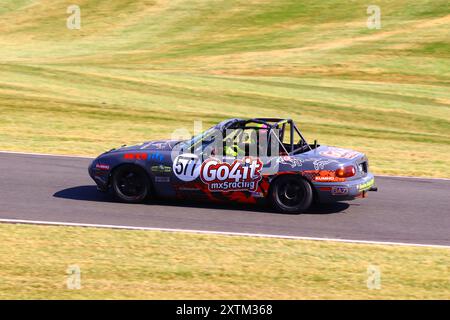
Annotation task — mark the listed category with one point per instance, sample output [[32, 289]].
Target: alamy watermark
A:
[[374, 20], [73, 281], [373, 281], [74, 20], [225, 144]]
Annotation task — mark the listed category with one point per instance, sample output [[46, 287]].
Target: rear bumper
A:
[[342, 191]]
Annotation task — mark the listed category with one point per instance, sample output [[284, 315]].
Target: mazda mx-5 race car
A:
[[238, 160]]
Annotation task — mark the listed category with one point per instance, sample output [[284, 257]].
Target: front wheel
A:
[[130, 184], [291, 194]]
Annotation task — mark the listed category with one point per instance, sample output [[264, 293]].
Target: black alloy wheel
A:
[[291, 194], [130, 184]]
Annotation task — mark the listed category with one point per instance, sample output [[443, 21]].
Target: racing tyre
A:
[[291, 194], [130, 184]]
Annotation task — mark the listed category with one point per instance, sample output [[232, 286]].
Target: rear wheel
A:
[[130, 184], [291, 194]]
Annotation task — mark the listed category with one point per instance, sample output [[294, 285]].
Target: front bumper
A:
[[349, 190], [100, 177]]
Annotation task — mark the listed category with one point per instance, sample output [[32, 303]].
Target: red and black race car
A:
[[239, 160]]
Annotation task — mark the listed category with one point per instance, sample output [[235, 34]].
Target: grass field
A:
[[137, 70], [156, 265]]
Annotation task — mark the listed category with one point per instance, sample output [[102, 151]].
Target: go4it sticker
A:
[[241, 175]]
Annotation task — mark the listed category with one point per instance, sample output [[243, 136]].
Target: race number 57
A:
[[186, 167]]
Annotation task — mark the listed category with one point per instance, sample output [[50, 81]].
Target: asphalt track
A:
[[46, 188]]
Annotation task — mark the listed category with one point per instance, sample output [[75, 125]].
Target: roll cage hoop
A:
[[270, 124], [275, 123]]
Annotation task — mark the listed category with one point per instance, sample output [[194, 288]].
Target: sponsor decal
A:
[[320, 164], [161, 169], [156, 156], [102, 166], [159, 145], [322, 176], [135, 156], [143, 156], [366, 185], [339, 153], [292, 161], [257, 194], [162, 179], [188, 189], [187, 167], [155, 145], [339, 191], [241, 175]]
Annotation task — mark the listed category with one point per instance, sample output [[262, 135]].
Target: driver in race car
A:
[[233, 146]]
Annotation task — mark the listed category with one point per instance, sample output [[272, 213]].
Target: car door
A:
[[186, 168]]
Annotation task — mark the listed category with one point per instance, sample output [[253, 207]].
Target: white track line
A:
[[411, 177], [87, 157], [46, 154], [259, 235]]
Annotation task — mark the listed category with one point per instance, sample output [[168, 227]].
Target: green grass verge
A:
[[137, 70], [159, 265]]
